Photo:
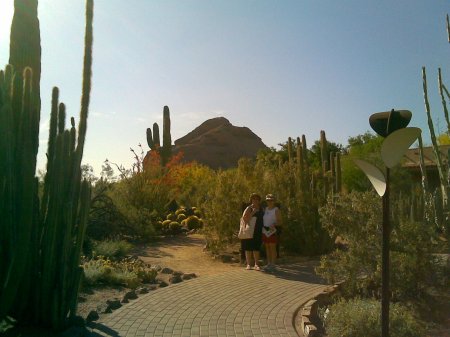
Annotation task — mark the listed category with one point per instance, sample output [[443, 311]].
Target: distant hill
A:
[[218, 144]]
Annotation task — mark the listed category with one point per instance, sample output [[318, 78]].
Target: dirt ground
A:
[[185, 254]]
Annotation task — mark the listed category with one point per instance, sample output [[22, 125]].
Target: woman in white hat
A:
[[272, 219]]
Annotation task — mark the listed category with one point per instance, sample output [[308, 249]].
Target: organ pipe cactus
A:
[[40, 247], [442, 210], [25, 42]]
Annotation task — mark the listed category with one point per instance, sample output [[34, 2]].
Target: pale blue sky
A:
[[282, 68]]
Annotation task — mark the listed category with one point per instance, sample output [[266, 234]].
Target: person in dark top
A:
[[253, 245]]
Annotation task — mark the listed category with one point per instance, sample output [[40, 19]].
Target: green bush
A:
[[112, 249], [193, 222], [361, 317], [128, 273], [356, 218]]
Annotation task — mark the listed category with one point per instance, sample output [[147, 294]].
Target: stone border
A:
[[306, 317]]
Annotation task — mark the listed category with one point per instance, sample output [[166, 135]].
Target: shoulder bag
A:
[[246, 230]]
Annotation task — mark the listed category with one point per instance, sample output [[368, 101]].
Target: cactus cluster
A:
[[153, 139], [42, 235], [330, 173]]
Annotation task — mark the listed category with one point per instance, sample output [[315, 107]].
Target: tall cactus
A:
[[25, 42], [166, 151], [437, 153], [338, 174], [153, 139], [40, 250]]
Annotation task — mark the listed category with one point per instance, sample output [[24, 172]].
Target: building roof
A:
[[412, 158]]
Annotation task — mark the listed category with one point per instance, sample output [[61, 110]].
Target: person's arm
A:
[[248, 213]]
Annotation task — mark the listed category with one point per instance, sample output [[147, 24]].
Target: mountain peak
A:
[[218, 144]]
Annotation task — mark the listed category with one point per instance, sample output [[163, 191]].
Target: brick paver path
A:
[[236, 303]]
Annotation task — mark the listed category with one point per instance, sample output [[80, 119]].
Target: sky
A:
[[282, 68]]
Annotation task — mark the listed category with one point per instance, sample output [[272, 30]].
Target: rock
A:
[[108, 310], [177, 273], [156, 267], [101, 307], [92, 316], [152, 287], [226, 258], [175, 279], [113, 304], [189, 276], [163, 284], [131, 295], [143, 290], [124, 300], [166, 271]]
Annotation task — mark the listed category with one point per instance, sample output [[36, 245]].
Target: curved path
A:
[[232, 303]]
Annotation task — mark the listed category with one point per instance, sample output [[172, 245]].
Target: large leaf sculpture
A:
[[396, 144], [374, 174]]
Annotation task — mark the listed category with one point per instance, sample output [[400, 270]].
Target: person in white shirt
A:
[[272, 219]]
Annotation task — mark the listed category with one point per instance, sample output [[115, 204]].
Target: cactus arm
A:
[[156, 135], [150, 142], [436, 151], [444, 103]]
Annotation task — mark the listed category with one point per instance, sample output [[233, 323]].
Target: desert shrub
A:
[[193, 222], [112, 249], [222, 208], [356, 218], [361, 317], [129, 273], [105, 218], [197, 213]]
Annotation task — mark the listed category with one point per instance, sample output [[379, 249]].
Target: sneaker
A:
[[248, 267], [257, 267]]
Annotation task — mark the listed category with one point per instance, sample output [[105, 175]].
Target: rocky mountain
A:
[[218, 144]]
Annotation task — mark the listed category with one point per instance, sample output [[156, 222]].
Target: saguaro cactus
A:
[[166, 151], [153, 139]]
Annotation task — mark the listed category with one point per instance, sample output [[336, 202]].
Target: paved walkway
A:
[[236, 303]]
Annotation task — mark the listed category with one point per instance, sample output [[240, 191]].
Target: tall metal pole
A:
[[385, 293]]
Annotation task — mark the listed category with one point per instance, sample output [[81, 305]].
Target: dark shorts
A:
[[251, 244]]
